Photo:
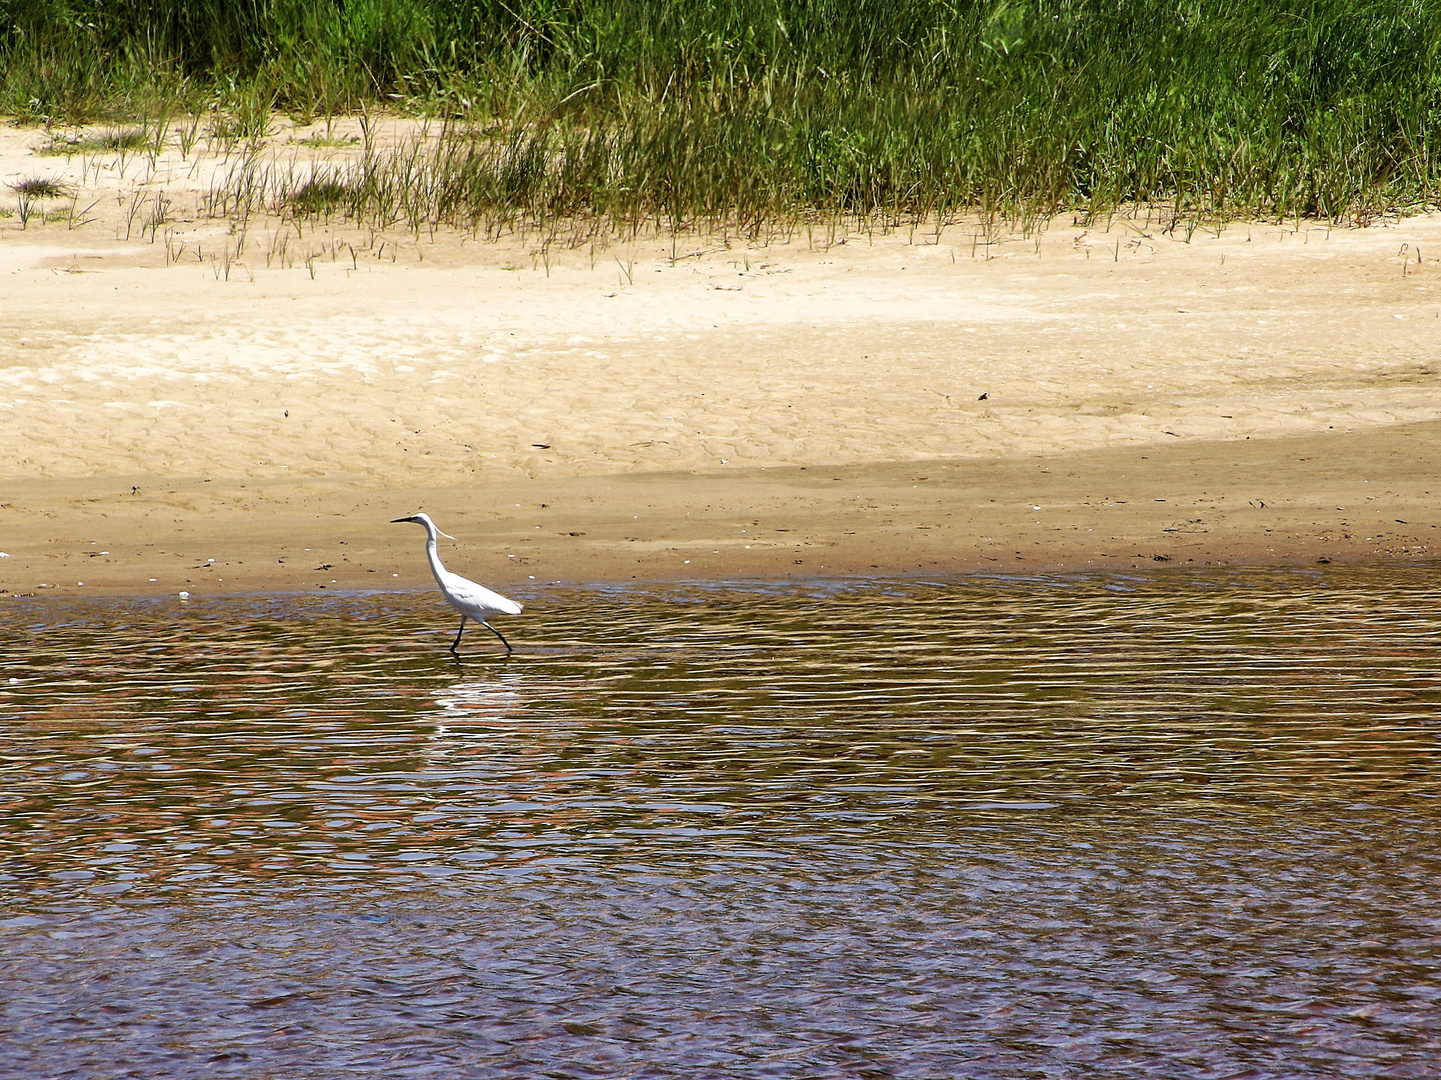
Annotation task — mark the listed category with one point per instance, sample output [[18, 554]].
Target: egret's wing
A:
[[465, 594]]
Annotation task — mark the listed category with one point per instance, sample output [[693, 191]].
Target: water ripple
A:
[[989, 827]]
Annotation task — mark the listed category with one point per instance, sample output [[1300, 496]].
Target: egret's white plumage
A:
[[470, 599]]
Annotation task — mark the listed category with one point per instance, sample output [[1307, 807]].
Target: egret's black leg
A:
[[456, 642], [497, 633]]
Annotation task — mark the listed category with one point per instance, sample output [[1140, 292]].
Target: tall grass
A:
[[748, 111]]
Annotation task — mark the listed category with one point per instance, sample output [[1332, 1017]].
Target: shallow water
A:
[[1183, 825]]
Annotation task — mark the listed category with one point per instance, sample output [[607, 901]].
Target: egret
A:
[[471, 600]]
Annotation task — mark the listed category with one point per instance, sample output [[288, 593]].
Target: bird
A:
[[471, 600]]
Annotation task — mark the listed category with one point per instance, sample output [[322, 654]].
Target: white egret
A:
[[471, 600]]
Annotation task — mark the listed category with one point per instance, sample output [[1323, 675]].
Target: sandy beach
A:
[[182, 407]]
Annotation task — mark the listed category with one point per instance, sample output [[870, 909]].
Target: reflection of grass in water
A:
[[757, 113]]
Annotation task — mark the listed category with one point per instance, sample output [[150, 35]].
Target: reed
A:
[[753, 114]]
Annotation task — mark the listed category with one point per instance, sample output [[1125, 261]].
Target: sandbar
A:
[[184, 408]]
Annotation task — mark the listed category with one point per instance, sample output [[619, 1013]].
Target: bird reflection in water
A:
[[483, 702]]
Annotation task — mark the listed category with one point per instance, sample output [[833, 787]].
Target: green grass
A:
[[321, 141], [320, 196], [629, 114], [100, 143]]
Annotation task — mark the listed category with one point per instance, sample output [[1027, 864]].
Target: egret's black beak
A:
[[397, 521]]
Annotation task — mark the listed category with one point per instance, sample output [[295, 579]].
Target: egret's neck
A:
[[432, 552]]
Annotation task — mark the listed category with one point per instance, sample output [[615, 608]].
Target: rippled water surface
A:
[[1179, 826]]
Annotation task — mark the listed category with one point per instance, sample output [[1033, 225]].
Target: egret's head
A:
[[423, 519]]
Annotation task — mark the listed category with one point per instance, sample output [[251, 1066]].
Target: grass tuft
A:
[[320, 197], [321, 141], [38, 188], [102, 142]]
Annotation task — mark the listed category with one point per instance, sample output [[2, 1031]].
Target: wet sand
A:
[[1358, 496], [708, 408]]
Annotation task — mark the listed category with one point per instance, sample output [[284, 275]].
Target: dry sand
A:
[[174, 415]]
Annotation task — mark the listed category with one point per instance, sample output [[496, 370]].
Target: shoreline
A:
[[1340, 498]]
